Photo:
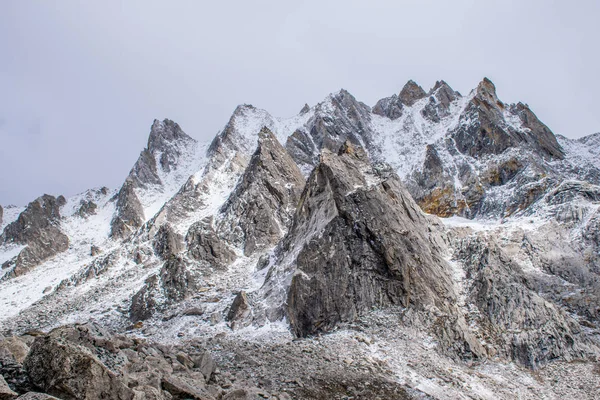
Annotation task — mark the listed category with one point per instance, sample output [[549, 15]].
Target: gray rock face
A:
[[167, 242], [1, 214], [87, 208], [86, 362], [341, 117], [38, 228], [390, 107], [441, 97], [411, 93], [174, 284], [37, 396], [490, 135], [302, 149], [240, 312], [261, 206], [70, 371], [362, 243], [393, 106], [166, 144], [524, 326], [204, 245], [129, 214]]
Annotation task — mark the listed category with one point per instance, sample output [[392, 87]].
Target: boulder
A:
[[13, 348], [240, 312], [6, 392], [71, 371]]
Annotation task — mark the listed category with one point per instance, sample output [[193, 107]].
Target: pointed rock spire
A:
[[263, 203], [166, 144], [411, 93], [358, 241], [305, 109], [441, 97]]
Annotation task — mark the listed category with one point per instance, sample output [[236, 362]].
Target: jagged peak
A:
[[305, 109], [411, 93], [166, 131], [486, 88]]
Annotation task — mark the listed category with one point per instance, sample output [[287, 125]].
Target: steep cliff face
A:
[[358, 241], [129, 214]]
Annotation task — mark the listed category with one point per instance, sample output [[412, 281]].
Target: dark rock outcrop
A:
[[1, 214], [204, 245], [339, 118], [87, 208], [173, 284], [129, 213], [166, 144], [411, 93], [167, 242], [70, 371], [362, 243], [38, 228], [261, 206], [393, 106], [441, 97], [491, 134], [240, 312]]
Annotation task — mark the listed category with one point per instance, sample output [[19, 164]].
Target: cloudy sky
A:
[[82, 81]]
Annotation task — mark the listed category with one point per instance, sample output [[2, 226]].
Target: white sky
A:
[[82, 81]]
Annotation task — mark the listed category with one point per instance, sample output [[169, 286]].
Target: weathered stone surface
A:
[[362, 243], [491, 135], [13, 348], [301, 148], [206, 364], [5, 392], [390, 107], [129, 214], [339, 118], [69, 371], [1, 214], [174, 284], [204, 245], [36, 396], [87, 208], [182, 388], [166, 143], [522, 324], [411, 93], [240, 312], [441, 97], [167, 242], [257, 213], [38, 227]]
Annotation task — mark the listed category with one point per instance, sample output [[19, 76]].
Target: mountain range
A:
[[435, 245]]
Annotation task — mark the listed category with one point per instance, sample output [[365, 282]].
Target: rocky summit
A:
[[434, 246]]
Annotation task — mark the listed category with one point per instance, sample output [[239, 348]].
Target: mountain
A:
[[436, 245]]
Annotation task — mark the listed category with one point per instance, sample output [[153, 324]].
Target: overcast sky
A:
[[82, 81]]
